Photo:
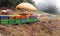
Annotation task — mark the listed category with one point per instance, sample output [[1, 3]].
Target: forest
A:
[[13, 3]]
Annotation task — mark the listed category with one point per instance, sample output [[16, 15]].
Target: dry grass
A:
[[47, 26]]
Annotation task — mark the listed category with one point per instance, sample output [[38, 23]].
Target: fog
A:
[[50, 6]]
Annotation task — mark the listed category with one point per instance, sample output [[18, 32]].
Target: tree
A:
[[13, 3]]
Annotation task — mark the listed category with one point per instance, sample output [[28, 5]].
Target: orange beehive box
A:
[[27, 16], [22, 16], [11, 17], [18, 16], [35, 16]]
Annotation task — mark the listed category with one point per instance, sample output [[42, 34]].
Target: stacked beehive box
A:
[[16, 19]]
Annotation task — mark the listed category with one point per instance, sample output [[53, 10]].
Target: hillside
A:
[[49, 25]]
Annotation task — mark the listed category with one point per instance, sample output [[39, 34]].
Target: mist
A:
[[49, 6]]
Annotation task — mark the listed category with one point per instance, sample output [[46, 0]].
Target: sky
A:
[[37, 1], [57, 2]]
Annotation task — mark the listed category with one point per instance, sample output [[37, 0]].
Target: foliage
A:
[[13, 3]]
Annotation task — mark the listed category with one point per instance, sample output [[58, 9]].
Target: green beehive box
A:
[[35, 19], [27, 20], [11, 21], [17, 21], [4, 22], [0, 22], [31, 20]]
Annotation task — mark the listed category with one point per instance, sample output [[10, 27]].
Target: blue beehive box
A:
[[4, 17], [0, 17], [31, 17], [22, 21]]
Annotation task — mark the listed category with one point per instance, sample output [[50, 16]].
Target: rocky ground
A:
[[49, 25]]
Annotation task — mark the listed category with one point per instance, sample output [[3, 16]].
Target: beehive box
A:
[[11, 17], [17, 20], [3, 17], [27, 20], [4, 22], [35, 19], [22, 16], [17, 16], [11, 21], [23, 21], [31, 18]]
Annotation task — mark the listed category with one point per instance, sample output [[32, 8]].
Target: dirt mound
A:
[[48, 26]]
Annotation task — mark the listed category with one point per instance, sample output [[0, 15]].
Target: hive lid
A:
[[26, 6]]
